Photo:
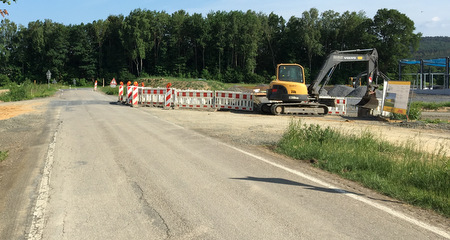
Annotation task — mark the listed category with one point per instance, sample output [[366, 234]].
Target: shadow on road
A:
[[293, 183]]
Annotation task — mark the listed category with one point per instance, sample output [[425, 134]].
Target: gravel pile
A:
[[340, 91]]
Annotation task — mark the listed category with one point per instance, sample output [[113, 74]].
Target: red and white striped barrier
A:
[[155, 97], [95, 85], [135, 97], [340, 106], [194, 99], [120, 93], [234, 100], [168, 100], [129, 94]]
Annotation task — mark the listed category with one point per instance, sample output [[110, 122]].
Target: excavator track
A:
[[316, 109]]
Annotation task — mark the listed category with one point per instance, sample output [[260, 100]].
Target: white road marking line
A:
[[325, 184], [38, 222], [356, 197]]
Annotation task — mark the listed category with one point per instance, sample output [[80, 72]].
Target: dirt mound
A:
[[162, 83], [340, 91]]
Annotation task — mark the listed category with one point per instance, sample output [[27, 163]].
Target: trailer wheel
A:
[[276, 109]]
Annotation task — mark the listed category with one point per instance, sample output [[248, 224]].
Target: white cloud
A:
[[436, 19]]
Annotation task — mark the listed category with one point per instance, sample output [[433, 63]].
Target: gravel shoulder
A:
[[25, 136]]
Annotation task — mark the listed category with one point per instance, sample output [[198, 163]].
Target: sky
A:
[[431, 18]]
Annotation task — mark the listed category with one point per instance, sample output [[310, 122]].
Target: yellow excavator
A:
[[289, 94]]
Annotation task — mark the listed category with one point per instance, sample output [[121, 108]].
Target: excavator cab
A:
[[290, 84], [291, 73]]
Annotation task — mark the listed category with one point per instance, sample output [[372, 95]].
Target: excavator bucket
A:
[[369, 101]]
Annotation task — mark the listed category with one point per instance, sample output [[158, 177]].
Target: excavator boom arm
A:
[[335, 58]]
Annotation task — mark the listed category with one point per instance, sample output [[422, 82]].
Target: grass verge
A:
[[402, 172], [431, 105], [3, 155], [26, 91]]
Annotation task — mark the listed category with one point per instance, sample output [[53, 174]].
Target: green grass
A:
[[3, 155], [109, 90], [435, 121], [431, 105], [402, 172], [26, 91]]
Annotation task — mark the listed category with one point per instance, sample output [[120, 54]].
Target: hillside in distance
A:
[[433, 47]]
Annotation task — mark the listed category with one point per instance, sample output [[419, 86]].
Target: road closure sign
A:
[[396, 96]]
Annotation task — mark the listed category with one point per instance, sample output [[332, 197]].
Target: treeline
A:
[[230, 46], [433, 47]]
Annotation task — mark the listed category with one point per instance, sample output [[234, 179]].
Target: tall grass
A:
[[403, 172], [26, 91]]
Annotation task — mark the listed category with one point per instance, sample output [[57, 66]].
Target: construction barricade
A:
[[135, 96], [194, 99], [120, 93], [129, 94], [340, 107], [233, 100], [155, 97]]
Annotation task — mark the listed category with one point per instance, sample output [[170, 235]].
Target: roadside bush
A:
[[110, 91], [4, 80], [205, 74], [126, 76], [233, 76], [82, 82], [254, 78], [27, 90]]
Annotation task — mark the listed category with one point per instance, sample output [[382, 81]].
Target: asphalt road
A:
[[116, 172]]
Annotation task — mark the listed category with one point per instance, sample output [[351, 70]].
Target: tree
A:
[[8, 31], [82, 57], [395, 38], [136, 38], [330, 30], [273, 27], [311, 27], [100, 29]]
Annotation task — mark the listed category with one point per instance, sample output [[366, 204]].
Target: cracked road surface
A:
[[116, 172]]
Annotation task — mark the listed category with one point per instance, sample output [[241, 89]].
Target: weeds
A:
[[402, 172], [110, 90], [3, 155], [26, 91]]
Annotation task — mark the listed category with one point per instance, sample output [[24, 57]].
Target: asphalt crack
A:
[[157, 219]]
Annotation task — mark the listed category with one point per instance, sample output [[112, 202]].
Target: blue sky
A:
[[431, 18]]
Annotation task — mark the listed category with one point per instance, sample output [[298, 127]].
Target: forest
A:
[[235, 46]]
